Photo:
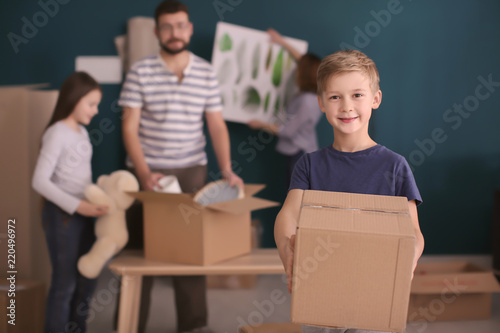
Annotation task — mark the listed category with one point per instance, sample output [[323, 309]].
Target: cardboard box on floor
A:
[[272, 328], [451, 291], [27, 313], [353, 261], [177, 229], [25, 111]]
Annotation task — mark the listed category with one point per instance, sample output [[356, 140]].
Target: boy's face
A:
[[348, 101]]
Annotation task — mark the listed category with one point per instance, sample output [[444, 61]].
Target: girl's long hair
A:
[[72, 90], [307, 72]]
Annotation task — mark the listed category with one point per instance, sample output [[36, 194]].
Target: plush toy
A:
[[110, 229]]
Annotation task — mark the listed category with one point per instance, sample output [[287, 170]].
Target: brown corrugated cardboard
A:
[[451, 291], [22, 307], [239, 281], [24, 114], [272, 328], [353, 261], [177, 229]]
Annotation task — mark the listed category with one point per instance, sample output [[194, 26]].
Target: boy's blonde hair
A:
[[347, 61]]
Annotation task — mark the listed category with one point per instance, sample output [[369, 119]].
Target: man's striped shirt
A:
[[171, 123]]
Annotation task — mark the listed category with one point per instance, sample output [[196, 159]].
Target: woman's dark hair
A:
[[170, 7], [307, 72], [72, 90]]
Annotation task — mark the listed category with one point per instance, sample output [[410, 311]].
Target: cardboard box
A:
[[451, 291], [353, 261], [24, 114], [246, 281], [272, 328], [177, 229], [29, 306]]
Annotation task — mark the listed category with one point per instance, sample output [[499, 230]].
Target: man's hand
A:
[[150, 180], [233, 178]]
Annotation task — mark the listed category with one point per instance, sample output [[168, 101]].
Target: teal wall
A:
[[430, 55]]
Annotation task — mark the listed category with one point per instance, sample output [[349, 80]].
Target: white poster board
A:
[[104, 69], [256, 77]]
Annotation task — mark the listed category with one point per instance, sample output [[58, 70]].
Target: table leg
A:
[[130, 299]]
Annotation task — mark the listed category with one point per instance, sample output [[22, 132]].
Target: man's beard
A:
[[174, 51]]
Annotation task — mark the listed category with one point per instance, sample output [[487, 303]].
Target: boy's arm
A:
[[284, 231], [419, 249]]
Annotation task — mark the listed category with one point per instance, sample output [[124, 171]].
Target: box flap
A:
[[146, 196], [355, 201], [244, 205], [251, 189], [348, 220], [453, 277]]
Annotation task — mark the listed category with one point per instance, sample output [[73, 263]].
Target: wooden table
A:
[[132, 267]]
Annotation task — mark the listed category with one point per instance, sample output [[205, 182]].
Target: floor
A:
[[230, 309]]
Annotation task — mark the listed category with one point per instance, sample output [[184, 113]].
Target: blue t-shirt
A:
[[376, 170]]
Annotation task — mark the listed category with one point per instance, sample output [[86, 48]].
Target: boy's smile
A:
[[348, 120], [348, 101]]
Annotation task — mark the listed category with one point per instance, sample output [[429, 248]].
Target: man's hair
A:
[[307, 70], [347, 61], [170, 7]]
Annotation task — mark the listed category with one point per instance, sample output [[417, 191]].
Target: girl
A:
[[61, 174], [297, 133]]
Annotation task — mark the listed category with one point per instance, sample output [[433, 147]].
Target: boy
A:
[[348, 90]]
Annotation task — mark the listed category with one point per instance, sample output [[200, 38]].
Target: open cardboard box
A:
[[353, 261], [246, 281], [451, 291], [178, 229]]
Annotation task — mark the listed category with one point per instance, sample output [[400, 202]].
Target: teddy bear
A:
[[110, 228]]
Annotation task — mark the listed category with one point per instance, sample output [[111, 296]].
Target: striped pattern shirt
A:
[[171, 122]]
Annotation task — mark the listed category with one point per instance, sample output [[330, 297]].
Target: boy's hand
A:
[[415, 262], [290, 249], [86, 208]]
